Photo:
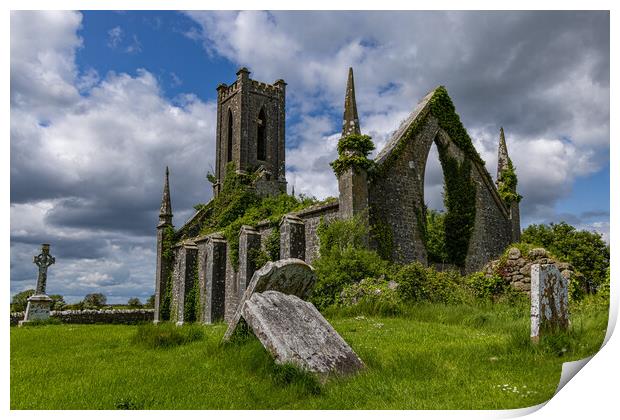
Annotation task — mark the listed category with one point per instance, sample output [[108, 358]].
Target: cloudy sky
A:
[[102, 101]]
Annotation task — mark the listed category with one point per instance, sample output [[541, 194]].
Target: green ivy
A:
[[238, 204], [166, 301], [191, 309], [356, 143], [442, 108], [167, 243], [382, 235], [507, 182], [353, 153], [460, 202], [272, 244]]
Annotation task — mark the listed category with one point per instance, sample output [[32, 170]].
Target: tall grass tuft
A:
[[288, 374], [166, 335]]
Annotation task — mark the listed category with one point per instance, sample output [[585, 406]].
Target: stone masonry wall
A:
[[396, 198], [492, 228], [312, 219], [96, 316], [516, 269]]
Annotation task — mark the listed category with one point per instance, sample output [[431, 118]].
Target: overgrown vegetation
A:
[[166, 335], [353, 152], [344, 259], [442, 108], [238, 204], [585, 250], [460, 202], [435, 236], [20, 300], [383, 238], [348, 273], [507, 185], [192, 308]]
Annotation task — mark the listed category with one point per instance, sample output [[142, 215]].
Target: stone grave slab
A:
[[290, 276], [549, 300], [294, 331]]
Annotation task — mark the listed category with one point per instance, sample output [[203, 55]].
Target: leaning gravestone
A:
[[290, 276], [294, 331], [549, 300], [39, 304]]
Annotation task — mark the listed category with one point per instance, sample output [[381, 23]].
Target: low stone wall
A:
[[516, 269], [96, 316]]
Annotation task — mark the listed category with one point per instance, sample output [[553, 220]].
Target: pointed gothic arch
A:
[[478, 222]]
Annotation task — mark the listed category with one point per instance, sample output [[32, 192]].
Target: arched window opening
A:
[[229, 138], [434, 209], [261, 141]]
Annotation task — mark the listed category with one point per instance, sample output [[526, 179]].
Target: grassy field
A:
[[431, 357]]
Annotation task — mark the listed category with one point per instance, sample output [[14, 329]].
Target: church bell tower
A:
[[250, 132]]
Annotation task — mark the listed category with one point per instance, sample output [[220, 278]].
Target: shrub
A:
[[20, 300], [94, 300], [338, 235], [436, 236], [418, 283], [353, 152], [58, 302], [166, 335], [338, 269], [369, 291], [486, 287], [134, 303], [585, 250], [150, 302]]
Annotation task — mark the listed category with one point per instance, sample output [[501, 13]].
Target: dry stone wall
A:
[[96, 316], [516, 268]]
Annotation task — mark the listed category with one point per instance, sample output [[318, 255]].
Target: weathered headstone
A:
[[549, 300], [294, 331], [39, 304], [290, 276]]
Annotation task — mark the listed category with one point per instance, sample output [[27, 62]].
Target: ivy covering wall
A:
[[507, 185], [460, 203], [459, 188], [353, 152]]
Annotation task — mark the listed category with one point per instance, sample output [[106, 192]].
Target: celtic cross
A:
[[43, 260]]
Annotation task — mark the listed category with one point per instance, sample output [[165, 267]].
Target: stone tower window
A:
[[261, 141], [230, 136]]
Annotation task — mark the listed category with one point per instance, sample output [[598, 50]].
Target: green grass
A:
[[430, 357]]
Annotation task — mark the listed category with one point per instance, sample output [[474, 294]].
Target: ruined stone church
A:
[[251, 134]]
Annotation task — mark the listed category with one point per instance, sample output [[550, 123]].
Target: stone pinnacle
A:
[[165, 211], [502, 153], [350, 120]]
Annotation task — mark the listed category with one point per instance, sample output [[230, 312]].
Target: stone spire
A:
[[165, 211], [350, 120], [502, 153]]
